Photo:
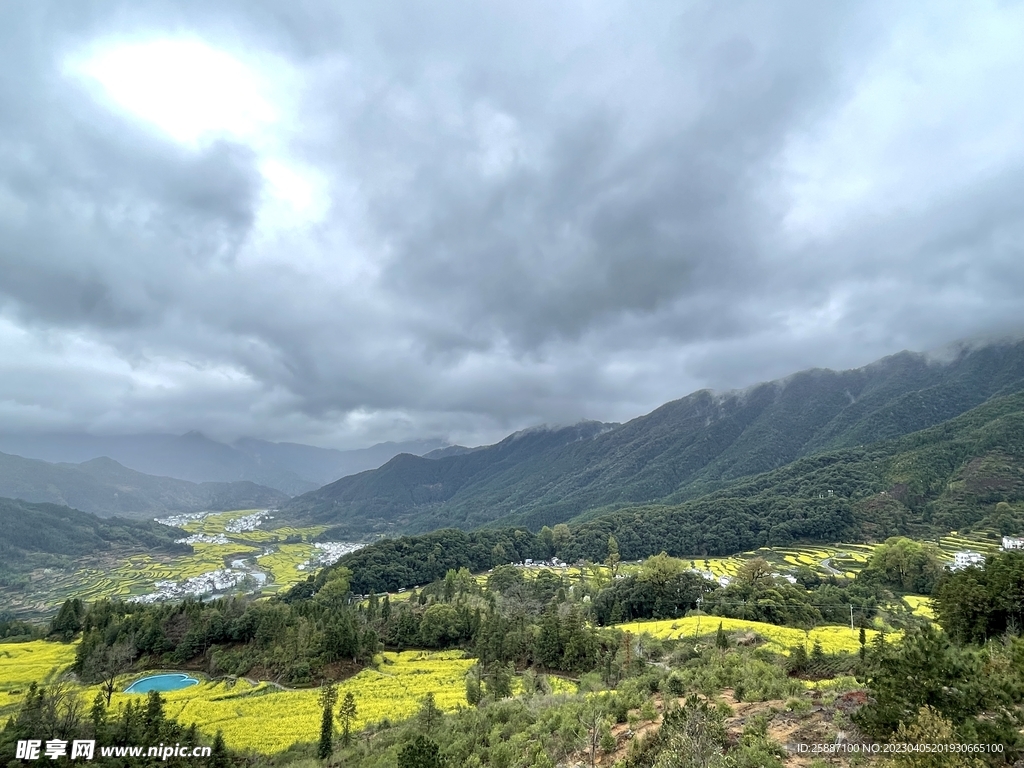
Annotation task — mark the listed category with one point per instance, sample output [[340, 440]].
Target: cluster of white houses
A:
[[966, 557]]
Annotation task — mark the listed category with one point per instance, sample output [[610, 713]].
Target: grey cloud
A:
[[537, 214]]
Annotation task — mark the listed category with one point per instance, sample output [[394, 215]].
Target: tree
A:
[[499, 555], [105, 663], [613, 556], [98, 714], [347, 715], [660, 569], [560, 536], [499, 680], [905, 564], [442, 624], [930, 728], [692, 736], [429, 715], [591, 719], [68, 621], [756, 572], [154, 717], [219, 752], [473, 691], [328, 697], [547, 539], [721, 640], [421, 752]]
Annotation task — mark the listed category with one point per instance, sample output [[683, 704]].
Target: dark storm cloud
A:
[[469, 218]]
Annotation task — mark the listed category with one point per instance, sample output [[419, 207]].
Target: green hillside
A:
[[965, 474], [36, 536], [683, 450], [947, 477], [104, 487]]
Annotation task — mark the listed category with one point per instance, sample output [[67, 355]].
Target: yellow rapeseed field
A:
[[24, 663], [920, 606], [36, 661], [833, 639], [265, 719], [260, 717]]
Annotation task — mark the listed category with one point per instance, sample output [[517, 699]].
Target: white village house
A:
[[1012, 542], [965, 558]]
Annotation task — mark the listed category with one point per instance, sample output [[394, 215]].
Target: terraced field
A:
[[280, 553], [833, 639], [987, 543], [841, 560]]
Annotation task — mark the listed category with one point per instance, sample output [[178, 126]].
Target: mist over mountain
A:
[[105, 488], [288, 467], [681, 450]]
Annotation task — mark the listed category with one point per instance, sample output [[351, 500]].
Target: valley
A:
[[615, 591], [230, 554]]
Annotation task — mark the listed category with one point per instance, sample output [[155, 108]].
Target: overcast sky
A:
[[342, 223]]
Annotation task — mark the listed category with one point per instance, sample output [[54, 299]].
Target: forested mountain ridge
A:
[[948, 477], [965, 473], [105, 488], [27, 528], [682, 450], [408, 484]]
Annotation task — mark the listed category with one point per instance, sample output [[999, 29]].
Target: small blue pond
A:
[[162, 683]]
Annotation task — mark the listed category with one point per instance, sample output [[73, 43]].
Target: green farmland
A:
[[280, 554]]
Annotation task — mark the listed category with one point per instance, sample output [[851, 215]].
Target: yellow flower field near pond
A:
[[833, 639], [263, 718], [268, 720], [260, 717]]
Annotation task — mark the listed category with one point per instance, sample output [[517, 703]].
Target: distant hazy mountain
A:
[[289, 467], [448, 450], [105, 488], [681, 450], [325, 465]]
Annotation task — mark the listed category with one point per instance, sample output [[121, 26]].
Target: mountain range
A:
[[105, 488], [687, 448], [290, 468]]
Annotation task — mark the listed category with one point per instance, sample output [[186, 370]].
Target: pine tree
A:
[[98, 714], [499, 683], [429, 715], [550, 647], [154, 717], [219, 752], [613, 555], [328, 697], [347, 715], [721, 640], [473, 693], [68, 621], [420, 753]]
